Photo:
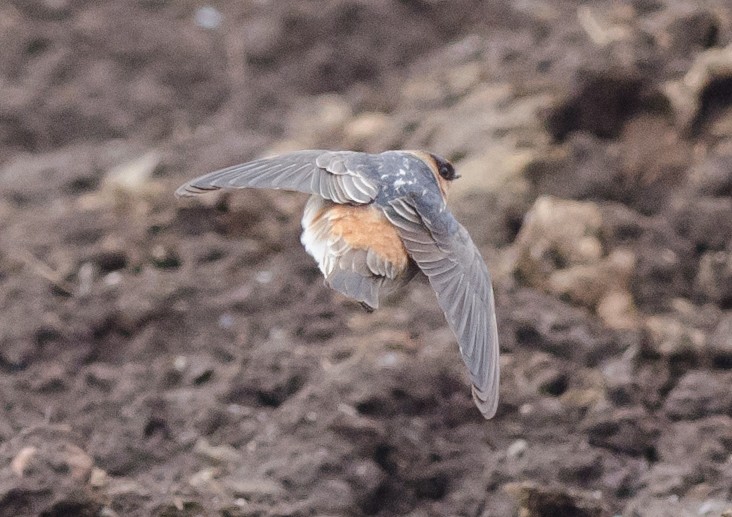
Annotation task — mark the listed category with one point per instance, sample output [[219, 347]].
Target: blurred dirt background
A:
[[184, 358]]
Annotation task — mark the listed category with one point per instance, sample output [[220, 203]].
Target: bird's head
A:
[[444, 172]]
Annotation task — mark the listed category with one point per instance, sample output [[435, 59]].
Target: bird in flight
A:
[[372, 222]]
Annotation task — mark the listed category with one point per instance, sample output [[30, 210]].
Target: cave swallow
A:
[[372, 222]]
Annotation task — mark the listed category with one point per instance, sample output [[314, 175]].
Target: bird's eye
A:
[[447, 171], [445, 168]]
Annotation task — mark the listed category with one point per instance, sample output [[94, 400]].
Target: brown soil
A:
[[184, 358]]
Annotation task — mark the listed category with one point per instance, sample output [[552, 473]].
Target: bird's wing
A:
[[459, 276], [334, 175]]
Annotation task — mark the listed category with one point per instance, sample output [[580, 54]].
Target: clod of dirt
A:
[[720, 343], [21, 461], [169, 324], [599, 102], [629, 431], [538, 321], [713, 177], [45, 470], [537, 501], [51, 379], [132, 180], [705, 221], [589, 284], [693, 31], [179, 508], [698, 394], [216, 454], [696, 444], [708, 77], [714, 278], [260, 490], [556, 234], [559, 250], [669, 337], [686, 507]]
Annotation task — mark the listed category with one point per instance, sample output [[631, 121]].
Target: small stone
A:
[[203, 477], [226, 321], [617, 310], [712, 507], [22, 460], [86, 275], [367, 476], [208, 17], [255, 489], [164, 257], [133, 178], [264, 277], [517, 449], [113, 278], [180, 363], [216, 453], [78, 461], [98, 478]]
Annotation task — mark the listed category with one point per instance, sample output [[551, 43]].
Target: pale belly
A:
[[357, 249]]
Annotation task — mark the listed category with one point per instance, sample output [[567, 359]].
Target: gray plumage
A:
[[405, 189], [347, 180]]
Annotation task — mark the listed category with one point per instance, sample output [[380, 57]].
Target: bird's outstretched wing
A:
[[334, 175], [459, 276]]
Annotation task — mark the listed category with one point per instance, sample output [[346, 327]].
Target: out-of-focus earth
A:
[[180, 358]]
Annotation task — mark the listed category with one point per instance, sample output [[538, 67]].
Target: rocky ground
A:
[[175, 358]]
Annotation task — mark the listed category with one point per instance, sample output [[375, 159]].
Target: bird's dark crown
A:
[[445, 168]]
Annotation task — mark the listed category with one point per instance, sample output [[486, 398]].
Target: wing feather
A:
[[456, 271], [336, 176]]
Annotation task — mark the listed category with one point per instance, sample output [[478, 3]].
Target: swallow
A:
[[371, 223]]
